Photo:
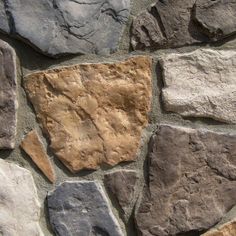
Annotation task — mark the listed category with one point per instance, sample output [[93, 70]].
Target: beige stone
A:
[[34, 148], [228, 229], [201, 84], [93, 113]]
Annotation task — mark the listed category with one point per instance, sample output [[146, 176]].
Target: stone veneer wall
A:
[[118, 118]]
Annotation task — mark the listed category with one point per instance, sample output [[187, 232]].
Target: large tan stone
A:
[[32, 145], [93, 113], [201, 84]]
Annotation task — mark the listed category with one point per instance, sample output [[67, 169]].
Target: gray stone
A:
[[201, 84], [19, 208], [8, 99], [81, 209], [57, 27], [191, 181]]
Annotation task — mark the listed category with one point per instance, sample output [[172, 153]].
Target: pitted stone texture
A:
[[217, 18], [191, 181], [8, 99], [122, 185], [201, 84], [81, 208], [19, 208], [57, 27], [93, 113], [33, 146]]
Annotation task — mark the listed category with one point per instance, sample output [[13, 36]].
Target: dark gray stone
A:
[[191, 183], [57, 27], [8, 99], [81, 209]]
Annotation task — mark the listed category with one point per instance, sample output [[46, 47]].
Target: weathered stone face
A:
[[191, 184], [81, 208], [8, 99], [93, 113], [201, 84], [19, 208], [34, 148], [57, 27]]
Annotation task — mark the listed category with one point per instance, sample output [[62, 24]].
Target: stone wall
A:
[[118, 117]]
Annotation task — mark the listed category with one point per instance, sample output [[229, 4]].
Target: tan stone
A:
[[34, 148], [93, 113], [228, 229]]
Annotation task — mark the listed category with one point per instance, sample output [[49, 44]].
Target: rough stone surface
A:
[[93, 113], [201, 84], [19, 208], [81, 208], [191, 181], [121, 184], [57, 27], [8, 99], [34, 148], [175, 23]]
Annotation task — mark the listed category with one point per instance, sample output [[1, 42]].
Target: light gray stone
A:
[[8, 99], [201, 84], [19, 208], [57, 27], [81, 209]]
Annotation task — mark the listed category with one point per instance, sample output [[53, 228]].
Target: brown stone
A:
[[34, 148], [93, 113], [191, 181]]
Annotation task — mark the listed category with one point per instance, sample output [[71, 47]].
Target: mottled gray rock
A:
[[191, 181], [81, 209], [57, 27], [217, 18], [8, 99], [201, 84], [122, 185], [19, 208]]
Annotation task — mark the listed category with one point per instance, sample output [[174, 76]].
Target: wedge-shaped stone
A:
[[19, 208], [81, 208], [191, 181], [58, 27], [93, 113], [8, 99], [201, 84], [34, 148]]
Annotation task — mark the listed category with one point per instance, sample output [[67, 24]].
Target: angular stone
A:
[[93, 113], [8, 99], [121, 184], [58, 27], [19, 208], [34, 148], [191, 181], [217, 18], [81, 208], [201, 84]]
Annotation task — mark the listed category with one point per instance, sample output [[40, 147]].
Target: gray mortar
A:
[[30, 61]]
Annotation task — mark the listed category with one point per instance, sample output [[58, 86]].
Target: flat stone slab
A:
[[19, 208], [81, 208], [59, 27], [191, 181], [93, 113], [33, 146], [201, 84], [8, 99]]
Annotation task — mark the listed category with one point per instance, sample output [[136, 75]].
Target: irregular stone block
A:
[[34, 148], [191, 181], [19, 208], [58, 27], [121, 184], [8, 99], [201, 84], [81, 208], [93, 113]]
